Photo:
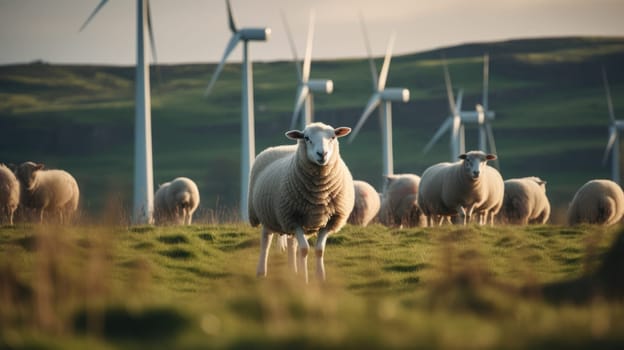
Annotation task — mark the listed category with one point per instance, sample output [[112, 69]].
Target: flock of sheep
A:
[[307, 189], [36, 194]]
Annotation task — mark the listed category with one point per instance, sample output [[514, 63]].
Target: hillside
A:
[[551, 116]]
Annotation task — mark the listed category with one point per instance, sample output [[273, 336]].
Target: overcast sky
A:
[[195, 31]]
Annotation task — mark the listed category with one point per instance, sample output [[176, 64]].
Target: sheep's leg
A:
[[292, 253], [265, 243], [304, 247], [320, 251]]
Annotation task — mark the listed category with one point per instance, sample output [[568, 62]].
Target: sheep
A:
[[450, 189], [399, 206], [52, 191], [367, 204], [525, 201], [176, 201], [306, 189], [9, 194], [597, 202], [495, 194]]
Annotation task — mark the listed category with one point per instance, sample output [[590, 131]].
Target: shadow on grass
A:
[[173, 239], [152, 325], [178, 254]]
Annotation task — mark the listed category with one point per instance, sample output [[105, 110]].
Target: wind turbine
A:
[[382, 97], [143, 206], [613, 144], [453, 122], [248, 151], [306, 87]]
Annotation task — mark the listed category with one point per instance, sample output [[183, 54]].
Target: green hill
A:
[[551, 116]]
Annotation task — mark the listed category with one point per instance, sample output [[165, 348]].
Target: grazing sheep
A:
[[399, 205], [306, 189], [176, 201], [42, 191], [494, 199], [525, 201], [597, 202], [367, 204], [450, 189], [9, 194]]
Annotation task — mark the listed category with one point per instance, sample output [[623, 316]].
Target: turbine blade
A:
[[307, 60], [291, 43], [608, 91], [373, 102], [610, 143], [491, 143], [230, 17], [460, 99], [95, 11], [228, 50], [443, 128], [449, 86], [383, 76], [486, 80], [151, 32], [303, 92], [371, 62]]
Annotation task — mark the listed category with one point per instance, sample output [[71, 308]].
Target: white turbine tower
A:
[[143, 206], [613, 145], [382, 97], [304, 102], [453, 122], [248, 151]]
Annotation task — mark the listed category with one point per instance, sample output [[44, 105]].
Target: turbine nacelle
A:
[[254, 34], [395, 94], [321, 85]]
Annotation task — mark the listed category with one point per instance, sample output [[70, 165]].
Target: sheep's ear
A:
[[490, 157], [541, 182], [342, 131], [463, 156], [294, 134], [39, 166]]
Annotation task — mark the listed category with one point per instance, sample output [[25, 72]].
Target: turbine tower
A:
[[453, 122], [382, 97], [143, 206], [248, 151], [613, 144], [306, 87]]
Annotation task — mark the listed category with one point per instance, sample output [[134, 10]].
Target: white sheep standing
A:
[[495, 194], [176, 201], [597, 202], [367, 204], [9, 194], [53, 191], [307, 189], [525, 201], [450, 189], [399, 205]]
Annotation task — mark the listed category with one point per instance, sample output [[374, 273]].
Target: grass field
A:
[[108, 286]]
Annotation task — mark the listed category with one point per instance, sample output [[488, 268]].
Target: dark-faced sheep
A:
[[525, 202], [306, 189], [399, 204], [454, 189], [597, 202], [176, 201], [9, 194], [53, 192]]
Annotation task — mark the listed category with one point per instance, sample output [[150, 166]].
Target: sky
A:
[[196, 31]]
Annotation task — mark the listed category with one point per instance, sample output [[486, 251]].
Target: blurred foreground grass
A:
[[143, 287]]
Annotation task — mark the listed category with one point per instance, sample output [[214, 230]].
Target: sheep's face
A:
[[320, 140], [26, 173], [474, 162]]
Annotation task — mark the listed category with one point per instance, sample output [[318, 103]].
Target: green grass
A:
[[195, 287]]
